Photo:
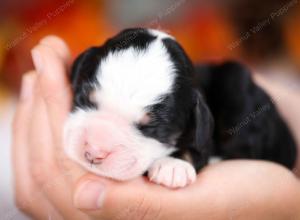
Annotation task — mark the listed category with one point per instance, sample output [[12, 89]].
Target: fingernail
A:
[[37, 60], [89, 196], [26, 87]]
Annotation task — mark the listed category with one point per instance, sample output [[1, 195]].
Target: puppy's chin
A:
[[118, 166]]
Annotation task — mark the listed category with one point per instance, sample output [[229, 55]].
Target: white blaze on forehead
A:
[[132, 79], [160, 34]]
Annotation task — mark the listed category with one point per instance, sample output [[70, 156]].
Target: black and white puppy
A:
[[140, 106]]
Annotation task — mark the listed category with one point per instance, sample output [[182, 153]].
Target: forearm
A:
[[251, 190]]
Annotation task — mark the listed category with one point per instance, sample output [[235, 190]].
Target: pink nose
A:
[[94, 156], [101, 137]]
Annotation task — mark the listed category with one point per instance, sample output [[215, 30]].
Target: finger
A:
[[41, 141], [55, 93], [50, 57], [62, 50], [54, 85], [137, 199], [28, 198], [51, 179]]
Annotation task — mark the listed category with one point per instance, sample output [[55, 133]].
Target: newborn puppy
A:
[[135, 110], [139, 107]]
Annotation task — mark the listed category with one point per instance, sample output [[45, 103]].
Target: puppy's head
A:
[[133, 101]]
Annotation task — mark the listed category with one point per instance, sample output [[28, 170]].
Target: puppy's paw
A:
[[172, 172]]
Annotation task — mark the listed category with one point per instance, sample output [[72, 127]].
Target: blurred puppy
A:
[[141, 107]]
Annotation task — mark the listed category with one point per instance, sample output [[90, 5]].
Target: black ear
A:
[[84, 67], [83, 77], [203, 132], [196, 140], [203, 120]]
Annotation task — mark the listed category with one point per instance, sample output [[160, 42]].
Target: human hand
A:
[[43, 176], [48, 184], [228, 190]]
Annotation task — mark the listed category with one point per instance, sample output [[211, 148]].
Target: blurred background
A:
[[263, 34]]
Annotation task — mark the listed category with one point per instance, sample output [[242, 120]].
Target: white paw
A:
[[172, 172]]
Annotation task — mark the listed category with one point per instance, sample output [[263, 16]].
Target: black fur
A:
[[220, 95], [247, 122], [83, 76]]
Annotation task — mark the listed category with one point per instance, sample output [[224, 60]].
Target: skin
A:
[[50, 185]]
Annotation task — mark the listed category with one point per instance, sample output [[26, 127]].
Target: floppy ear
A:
[[83, 76], [84, 66], [197, 138], [203, 120]]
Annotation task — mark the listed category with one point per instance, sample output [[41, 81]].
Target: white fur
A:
[[72, 130], [172, 172], [131, 80], [160, 34]]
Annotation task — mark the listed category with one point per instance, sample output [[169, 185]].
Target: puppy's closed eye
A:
[[93, 96], [145, 119]]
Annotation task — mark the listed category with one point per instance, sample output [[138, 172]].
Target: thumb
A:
[[136, 199]]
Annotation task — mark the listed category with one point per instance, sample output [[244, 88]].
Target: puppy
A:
[[140, 106]]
